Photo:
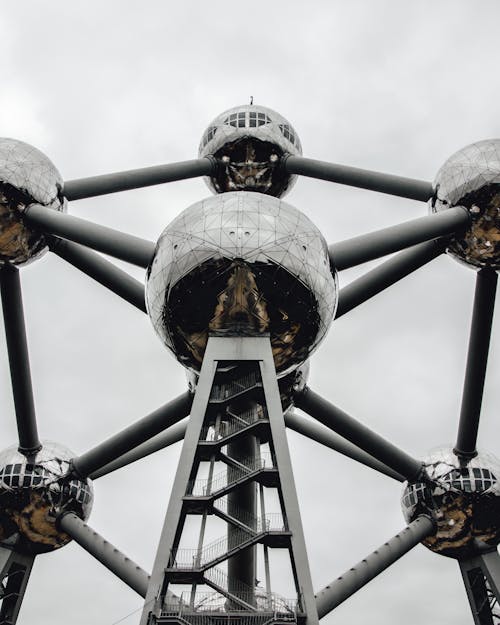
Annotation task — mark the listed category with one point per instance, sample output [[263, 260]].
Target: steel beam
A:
[[103, 551], [481, 575], [362, 178], [387, 274], [15, 570], [358, 434], [360, 574], [101, 270], [124, 246], [136, 434], [388, 240], [17, 347], [173, 434], [137, 178], [329, 439], [477, 359]]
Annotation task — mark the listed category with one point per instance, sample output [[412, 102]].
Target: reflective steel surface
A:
[[33, 492], [244, 263], [471, 178], [249, 141], [464, 498], [26, 176]]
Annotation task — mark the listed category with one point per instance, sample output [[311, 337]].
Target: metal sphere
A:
[[248, 142], [34, 491], [26, 176], [463, 497], [471, 178], [244, 263]]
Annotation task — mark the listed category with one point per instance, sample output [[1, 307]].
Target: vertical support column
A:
[[242, 567], [181, 481], [15, 569], [260, 387], [300, 562], [481, 575]]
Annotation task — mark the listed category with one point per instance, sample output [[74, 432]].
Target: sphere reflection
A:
[[26, 176], [471, 178], [248, 142], [244, 263], [463, 497], [33, 492]]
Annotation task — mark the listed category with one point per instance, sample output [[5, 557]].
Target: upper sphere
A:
[[464, 498], [241, 262], [26, 176], [34, 491], [471, 178], [248, 142]]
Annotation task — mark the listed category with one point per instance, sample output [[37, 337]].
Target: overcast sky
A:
[[387, 85]]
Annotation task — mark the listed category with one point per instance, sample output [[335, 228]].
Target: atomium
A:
[[26, 176], [34, 491], [244, 266], [471, 178], [464, 498], [248, 143], [241, 262]]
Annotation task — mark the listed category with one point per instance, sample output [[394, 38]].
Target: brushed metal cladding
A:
[[248, 142], [471, 178], [26, 176], [246, 263], [34, 490], [464, 498]]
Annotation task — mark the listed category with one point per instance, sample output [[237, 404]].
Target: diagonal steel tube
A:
[[136, 434], [360, 574], [358, 434], [17, 347], [313, 431], [103, 551], [328, 438], [387, 274], [137, 178], [173, 434], [101, 270], [367, 247], [124, 246], [477, 359], [362, 178]]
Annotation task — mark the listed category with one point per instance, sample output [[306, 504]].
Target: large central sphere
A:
[[245, 263], [26, 176], [464, 498], [34, 491], [471, 178]]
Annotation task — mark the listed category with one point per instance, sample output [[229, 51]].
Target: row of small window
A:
[[16, 475], [247, 119], [474, 480], [288, 133], [250, 119], [80, 492], [481, 479], [209, 135], [414, 494]]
